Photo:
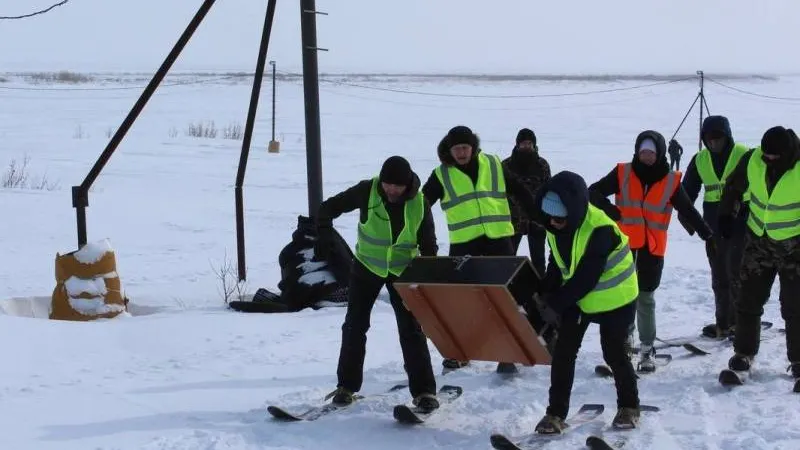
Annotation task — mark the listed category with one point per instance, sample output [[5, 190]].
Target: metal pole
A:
[[308, 30], [272, 63], [80, 194], [248, 135], [702, 101]]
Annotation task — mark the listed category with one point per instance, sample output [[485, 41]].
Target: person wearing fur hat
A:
[[590, 278], [473, 189], [395, 225], [770, 174], [645, 192], [532, 170]]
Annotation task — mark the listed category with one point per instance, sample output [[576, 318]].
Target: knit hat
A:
[[526, 134], [776, 141], [553, 206], [461, 135], [396, 170], [648, 144]]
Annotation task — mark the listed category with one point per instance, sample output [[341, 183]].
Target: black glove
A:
[[548, 314], [324, 245], [725, 225], [686, 225], [705, 233]]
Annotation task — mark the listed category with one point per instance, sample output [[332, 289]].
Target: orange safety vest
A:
[[645, 215]]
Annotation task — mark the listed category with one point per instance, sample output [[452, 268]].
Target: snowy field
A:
[[182, 372]]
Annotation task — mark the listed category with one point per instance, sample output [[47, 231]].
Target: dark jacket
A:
[[648, 175], [532, 171], [357, 197], [434, 191], [692, 182], [738, 182], [571, 188]]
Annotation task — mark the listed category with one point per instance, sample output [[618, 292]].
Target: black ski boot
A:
[[506, 368], [426, 402], [626, 418], [454, 364], [794, 368], [341, 397], [551, 425], [740, 362], [715, 332]]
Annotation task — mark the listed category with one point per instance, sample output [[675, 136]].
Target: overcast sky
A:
[[429, 36]]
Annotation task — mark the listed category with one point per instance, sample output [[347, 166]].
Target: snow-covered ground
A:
[[182, 372]]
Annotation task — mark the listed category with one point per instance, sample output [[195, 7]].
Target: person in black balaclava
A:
[[390, 208], [532, 171], [770, 174], [645, 192]]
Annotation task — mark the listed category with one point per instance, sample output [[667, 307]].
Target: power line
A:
[[754, 94], [25, 16]]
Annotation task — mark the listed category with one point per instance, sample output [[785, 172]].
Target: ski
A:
[[722, 343], [621, 435], [314, 413], [585, 415], [728, 377], [414, 415], [598, 443], [661, 359]]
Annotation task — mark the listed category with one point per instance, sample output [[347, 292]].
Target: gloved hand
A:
[[725, 226], [548, 314], [686, 225], [706, 233], [324, 245]]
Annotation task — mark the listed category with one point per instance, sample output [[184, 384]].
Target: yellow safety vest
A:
[[619, 283], [374, 247], [712, 184], [778, 214], [476, 210]]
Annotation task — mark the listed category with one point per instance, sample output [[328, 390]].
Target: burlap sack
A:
[[87, 284]]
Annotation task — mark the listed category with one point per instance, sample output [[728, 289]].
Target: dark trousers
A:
[[483, 246], [536, 238], [363, 291], [763, 260], [614, 327], [725, 259], [675, 163]]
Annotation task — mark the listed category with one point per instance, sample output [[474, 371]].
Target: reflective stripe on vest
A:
[[777, 214], [474, 210], [645, 216], [374, 248], [618, 285], [712, 185]]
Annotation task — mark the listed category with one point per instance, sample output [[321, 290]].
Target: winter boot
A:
[[551, 425], [740, 362], [794, 369], [506, 368], [626, 418], [454, 363], [341, 397], [715, 332], [646, 362], [426, 402]]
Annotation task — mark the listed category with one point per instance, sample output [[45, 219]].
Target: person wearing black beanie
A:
[[770, 174], [473, 188], [391, 207], [532, 171]]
